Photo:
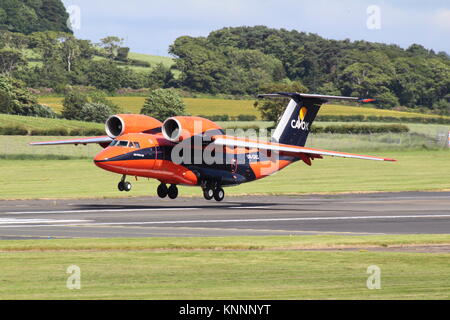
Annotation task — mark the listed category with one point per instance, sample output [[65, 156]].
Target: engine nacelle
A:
[[180, 128], [119, 124]]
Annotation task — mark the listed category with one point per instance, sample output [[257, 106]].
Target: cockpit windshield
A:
[[123, 143]]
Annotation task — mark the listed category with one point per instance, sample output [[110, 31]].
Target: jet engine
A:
[[177, 129], [120, 124]]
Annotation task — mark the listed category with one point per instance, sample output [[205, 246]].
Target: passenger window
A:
[[123, 143]]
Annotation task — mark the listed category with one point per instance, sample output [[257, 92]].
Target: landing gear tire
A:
[[219, 194], [127, 186], [162, 190], [124, 186], [172, 192], [208, 193]]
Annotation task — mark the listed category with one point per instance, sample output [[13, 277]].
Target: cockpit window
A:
[[123, 143]]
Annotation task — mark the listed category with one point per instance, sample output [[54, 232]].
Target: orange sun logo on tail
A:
[[302, 113]]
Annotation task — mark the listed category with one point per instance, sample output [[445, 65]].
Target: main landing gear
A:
[[124, 185], [171, 191], [209, 192], [217, 193]]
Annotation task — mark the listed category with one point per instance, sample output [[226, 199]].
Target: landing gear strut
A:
[[124, 185]]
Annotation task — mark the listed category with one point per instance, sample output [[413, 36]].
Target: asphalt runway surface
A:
[[349, 214]]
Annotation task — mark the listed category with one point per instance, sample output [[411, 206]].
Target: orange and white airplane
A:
[[194, 151]]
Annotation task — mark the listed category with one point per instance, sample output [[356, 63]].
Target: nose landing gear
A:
[[124, 185]]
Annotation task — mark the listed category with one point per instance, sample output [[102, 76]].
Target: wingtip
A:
[[390, 160], [367, 100]]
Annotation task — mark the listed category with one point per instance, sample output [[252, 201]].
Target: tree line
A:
[[244, 59], [38, 50]]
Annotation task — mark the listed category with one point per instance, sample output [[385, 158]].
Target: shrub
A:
[[39, 110], [13, 131], [72, 104], [246, 117], [163, 103], [49, 132], [217, 117], [94, 112]]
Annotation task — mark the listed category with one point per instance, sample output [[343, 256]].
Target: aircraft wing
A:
[[99, 140], [301, 152]]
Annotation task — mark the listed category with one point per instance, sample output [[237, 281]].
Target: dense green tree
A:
[[94, 112], [160, 77], [33, 15], [14, 97], [111, 45], [415, 77], [206, 67], [72, 104], [10, 60], [105, 75], [163, 103], [442, 107]]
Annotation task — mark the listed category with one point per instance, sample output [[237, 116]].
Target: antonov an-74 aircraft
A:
[[194, 151]]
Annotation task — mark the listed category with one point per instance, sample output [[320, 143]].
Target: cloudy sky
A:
[[150, 26]]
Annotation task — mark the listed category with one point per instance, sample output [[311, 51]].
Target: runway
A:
[[349, 214]]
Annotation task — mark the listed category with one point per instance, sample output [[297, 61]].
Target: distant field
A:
[[194, 106], [35, 59], [152, 59], [197, 106]]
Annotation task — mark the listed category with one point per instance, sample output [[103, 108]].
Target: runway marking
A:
[[100, 210], [33, 223], [260, 220], [14, 221]]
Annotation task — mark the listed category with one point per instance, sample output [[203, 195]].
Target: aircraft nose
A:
[[102, 157]]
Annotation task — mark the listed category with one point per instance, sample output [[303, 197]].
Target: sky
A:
[[149, 26]]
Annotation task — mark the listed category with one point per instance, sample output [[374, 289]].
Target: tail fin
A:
[[297, 119]]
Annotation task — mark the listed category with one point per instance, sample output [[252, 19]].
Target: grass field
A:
[[222, 268], [194, 106], [415, 170], [152, 59], [30, 123]]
